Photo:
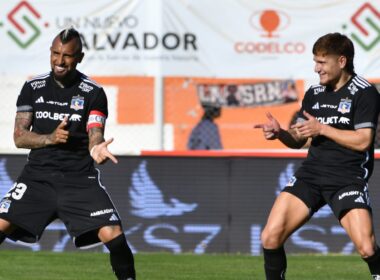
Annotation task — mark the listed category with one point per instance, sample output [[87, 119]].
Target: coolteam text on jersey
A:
[[353, 106], [85, 105]]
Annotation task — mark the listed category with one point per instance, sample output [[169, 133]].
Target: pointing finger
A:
[[112, 157], [108, 154]]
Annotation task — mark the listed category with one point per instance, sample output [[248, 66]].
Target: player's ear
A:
[[80, 57], [342, 61]]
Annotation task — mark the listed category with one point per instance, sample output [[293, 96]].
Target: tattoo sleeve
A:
[[95, 136], [23, 137]]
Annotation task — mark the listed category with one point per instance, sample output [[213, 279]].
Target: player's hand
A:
[[309, 128], [59, 135], [101, 154], [271, 129]]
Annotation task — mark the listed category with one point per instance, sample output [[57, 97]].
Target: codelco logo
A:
[[24, 27], [269, 23], [366, 21]]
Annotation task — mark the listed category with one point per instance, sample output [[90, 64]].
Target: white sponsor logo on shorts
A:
[[101, 212], [292, 181], [4, 205], [351, 193], [360, 200], [114, 218]]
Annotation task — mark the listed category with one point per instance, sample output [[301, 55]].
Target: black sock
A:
[[374, 263], [275, 263], [2, 237], [121, 257]]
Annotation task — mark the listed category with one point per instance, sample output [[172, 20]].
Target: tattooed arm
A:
[[24, 138], [95, 136], [98, 147]]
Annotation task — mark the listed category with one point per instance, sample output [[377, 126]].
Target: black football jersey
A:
[[354, 106], [85, 105]]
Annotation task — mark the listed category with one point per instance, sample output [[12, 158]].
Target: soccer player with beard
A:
[[61, 118], [340, 117]]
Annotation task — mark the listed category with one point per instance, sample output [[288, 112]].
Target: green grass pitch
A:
[[22, 265]]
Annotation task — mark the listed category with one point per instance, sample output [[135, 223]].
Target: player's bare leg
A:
[[359, 227], [288, 214], [5, 228], [121, 256]]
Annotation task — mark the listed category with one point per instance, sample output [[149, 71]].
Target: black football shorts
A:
[[340, 198], [80, 201]]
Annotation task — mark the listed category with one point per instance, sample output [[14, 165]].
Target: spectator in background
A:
[[231, 97], [289, 91], [205, 135]]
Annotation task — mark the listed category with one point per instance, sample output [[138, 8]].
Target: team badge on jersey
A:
[[344, 106], [77, 103]]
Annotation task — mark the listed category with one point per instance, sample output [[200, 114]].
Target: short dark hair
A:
[[336, 44], [69, 34], [211, 111]]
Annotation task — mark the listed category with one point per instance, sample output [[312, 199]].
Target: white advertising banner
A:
[[188, 38], [155, 57]]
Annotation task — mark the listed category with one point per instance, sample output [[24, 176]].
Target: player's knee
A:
[[108, 233], [366, 249], [271, 238], [5, 226]]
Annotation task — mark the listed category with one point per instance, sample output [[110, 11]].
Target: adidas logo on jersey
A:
[[40, 100], [114, 218], [360, 200], [316, 106]]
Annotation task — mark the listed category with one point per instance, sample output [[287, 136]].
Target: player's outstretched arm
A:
[[98, 147], [24, 138], [272, 130]]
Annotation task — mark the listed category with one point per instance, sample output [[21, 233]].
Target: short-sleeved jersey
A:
[[85, 105], [354, 106]]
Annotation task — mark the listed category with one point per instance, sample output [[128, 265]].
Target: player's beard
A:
[[63, 75]]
